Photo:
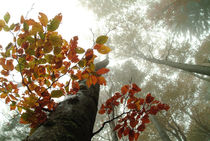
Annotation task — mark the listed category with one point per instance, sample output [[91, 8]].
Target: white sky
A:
[[77, 21]]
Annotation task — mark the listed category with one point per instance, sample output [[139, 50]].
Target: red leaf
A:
[[126, 131], [120, 132], [131, 106], [149, 98], [89, 54], [131, 135], [133, 123], [145, 119], [124, 89], [141, 127], [135, 88], [136, 135], [153, 110], [117, 127], [102, 71]]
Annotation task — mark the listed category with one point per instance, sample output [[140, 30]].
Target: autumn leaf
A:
[[104, 49], [101, 39], [102, 71], [80, 50], [149, 98], [124, 89], [141, 127], [6, 17], [135, 88], [102, 109], [101, 80], [56, 93], [3, 95], [2, 24], [54, 23], [43, 19]]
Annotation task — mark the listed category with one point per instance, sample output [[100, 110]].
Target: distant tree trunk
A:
[[160, 129], [73, 119], [205, 70]]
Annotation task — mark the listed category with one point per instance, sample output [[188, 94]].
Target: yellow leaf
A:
[[2, 24], [104, 49], [92, 67], [43, 19]]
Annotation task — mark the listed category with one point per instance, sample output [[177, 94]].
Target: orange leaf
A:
[[124, 89], [3, 95], [94, 79], [7, 100], [102, 71], [43, 19], [5, 72], [97, 46], [89, 82], [101, 80], [102, 109], [12, 97], [12, 107]]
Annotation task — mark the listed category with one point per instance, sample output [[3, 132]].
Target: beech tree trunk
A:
[[73, 119], [163, 135], [205, 70]]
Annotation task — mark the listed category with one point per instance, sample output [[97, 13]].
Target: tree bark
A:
[[205, 70], [160, 129], [73, 119]]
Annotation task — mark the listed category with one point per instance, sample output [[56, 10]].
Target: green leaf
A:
[[56, 93], [80, 50], [25, 26], [101, 39], [82, 63], [57, 50], [6, 28], [54, 24], [12, 26], [6, 17]]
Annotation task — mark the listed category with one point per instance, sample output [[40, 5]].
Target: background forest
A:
[[162, 46]]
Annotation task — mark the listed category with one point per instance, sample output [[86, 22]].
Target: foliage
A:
[[183, 15], [42, 58], [133, 121]]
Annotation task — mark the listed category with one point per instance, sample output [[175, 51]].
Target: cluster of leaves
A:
[[136, 110], [42, 57]]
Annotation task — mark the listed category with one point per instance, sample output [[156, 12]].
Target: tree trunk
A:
[[160, 129], [205, 70], [73, 119]]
